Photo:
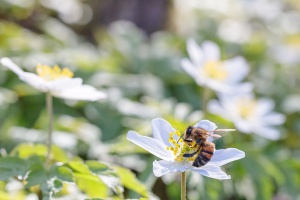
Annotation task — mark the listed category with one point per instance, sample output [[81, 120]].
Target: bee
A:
[[197, 137]]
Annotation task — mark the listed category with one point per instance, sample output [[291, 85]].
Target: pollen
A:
[[179, 147], [215, 70], [51, 73]]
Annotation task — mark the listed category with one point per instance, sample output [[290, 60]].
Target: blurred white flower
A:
[[248, 114], [164, 145], [57, 81], [208, 70]]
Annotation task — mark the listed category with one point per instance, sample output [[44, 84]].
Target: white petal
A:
[[195, 52], [63, 84], [12, 66], [161, 130], [212, 171], [35, 81], [154, 146], [244, 125], [163, 167], [83, 92], [211, 51], [192, 71], [264, 106], [224, 156], [268, 132], [213, 106], [273, 119], [207, 125], [237, 69], [243, 88]]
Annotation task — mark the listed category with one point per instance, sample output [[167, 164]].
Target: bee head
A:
[[188, 131]]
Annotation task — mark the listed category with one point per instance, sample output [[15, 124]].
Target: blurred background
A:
[[131, 49]]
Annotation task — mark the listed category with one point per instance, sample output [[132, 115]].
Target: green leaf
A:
[[86, 180], [92, 185], [28, 150], [36, 177], [12, 166], [57, 186], [59, 154], [130, 181], [79, 167], [63, 173], [97, 167]]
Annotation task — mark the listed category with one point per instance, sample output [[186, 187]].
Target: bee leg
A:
[[189, 155]]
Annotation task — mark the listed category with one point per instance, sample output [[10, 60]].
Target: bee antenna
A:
[[180, 138]]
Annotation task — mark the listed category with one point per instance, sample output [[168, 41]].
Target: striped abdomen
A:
[[205, 154]]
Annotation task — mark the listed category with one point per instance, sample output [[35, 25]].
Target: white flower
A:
[[164, 145], [206, 68], [248, 114], [57, 81]]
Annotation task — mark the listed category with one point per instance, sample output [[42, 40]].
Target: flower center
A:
[[215, 70], [51, 73], [179, 147], [246, 108]]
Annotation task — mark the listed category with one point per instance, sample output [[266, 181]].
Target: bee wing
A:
[[218, 133]]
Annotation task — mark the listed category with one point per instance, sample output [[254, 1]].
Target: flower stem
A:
[[183, 186], [205, 97], [50, 126]]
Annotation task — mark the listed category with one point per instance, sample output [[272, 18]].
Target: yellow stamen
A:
[[215, 70], [246, 107], [51, 73], [179, 147]]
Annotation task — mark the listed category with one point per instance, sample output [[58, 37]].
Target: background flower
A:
[[248, 114], [56, 81], [208, 70]]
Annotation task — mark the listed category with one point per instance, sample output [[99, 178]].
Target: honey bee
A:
[[197, 137]]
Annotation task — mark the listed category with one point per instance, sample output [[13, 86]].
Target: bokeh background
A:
[[131, 49]]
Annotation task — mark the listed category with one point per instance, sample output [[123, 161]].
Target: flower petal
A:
[[273, 119], [213, 106], [211, 51], [237, 69], [212, 171], [83, 92], [268, 132], [195, 52], [35, 81], [163, 167], [207, 125], [192, 71], [224, 156], [161, 130], [154, 146], [264, 106], [63, 84], [11, 65]]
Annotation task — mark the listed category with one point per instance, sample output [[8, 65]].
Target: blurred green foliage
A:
[[143, 79]]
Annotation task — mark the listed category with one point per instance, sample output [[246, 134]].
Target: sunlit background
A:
[[131, 49]]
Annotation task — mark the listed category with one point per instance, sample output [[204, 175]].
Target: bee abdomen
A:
[[205, 154]]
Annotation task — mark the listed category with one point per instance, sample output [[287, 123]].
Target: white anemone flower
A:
[[208, 70], [56, 81], [166, 145], [248, 114]]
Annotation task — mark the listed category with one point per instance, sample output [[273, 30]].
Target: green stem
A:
[[50, 126], [183, 186], [205, 97]]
